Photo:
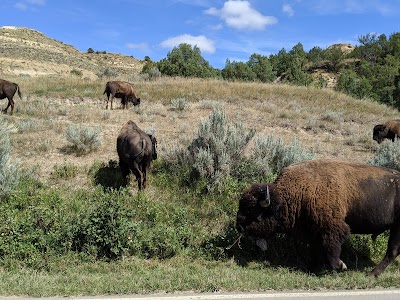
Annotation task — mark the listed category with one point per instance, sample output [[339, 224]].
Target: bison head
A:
[[257, 216], [382, 132], [135, 101]]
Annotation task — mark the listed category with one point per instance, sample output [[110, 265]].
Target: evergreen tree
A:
[[261, 67], [186, 61]]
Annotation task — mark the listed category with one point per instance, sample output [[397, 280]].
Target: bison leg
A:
[[112, 98], [125, 102], [10, 103], [332, 244], [144, 170], [138, 174], [393, 250], [108, 99]]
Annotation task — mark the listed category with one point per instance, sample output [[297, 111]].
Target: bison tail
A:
[[19, 92]]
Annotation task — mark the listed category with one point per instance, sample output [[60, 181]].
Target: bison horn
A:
[[267, 199]]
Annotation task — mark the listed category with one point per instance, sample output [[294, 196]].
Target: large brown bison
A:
[[8, 90], [123, 90], [324, 201], [389, 130], [136, 149]]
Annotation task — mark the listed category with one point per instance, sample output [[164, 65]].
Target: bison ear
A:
[[266, 200]]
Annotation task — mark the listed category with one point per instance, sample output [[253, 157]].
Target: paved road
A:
[[387, 294]]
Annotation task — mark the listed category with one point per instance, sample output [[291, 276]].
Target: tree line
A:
[[371, 70]]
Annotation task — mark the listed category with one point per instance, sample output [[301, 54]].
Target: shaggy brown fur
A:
[[325, 201], [8, 90], [390, 130], [123, 90], [136, 149]]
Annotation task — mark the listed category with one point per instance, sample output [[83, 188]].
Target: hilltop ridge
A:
[[28, 52]]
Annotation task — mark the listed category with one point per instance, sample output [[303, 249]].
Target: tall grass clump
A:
[[84, 139], [214, 152], [272, 153], [387, 155], [9, 171]]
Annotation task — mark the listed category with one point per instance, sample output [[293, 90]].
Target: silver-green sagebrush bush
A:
[[9, 171], [272, 153], [214, 152], [84, 139], [179, 104], [387, 155]]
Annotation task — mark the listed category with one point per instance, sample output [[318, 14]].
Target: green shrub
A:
[[9, 171], [387, 155], [84, 139], [273, 154], [65, 171], [212, 154], [179, 104]]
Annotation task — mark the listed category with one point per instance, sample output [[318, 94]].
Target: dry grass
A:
[[332, 124]]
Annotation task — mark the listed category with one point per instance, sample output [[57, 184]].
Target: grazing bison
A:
[[123, 90], [390, 130], [324, 201], [8, 90], [136, 149]]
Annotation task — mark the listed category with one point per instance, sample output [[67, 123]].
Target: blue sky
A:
[[222, 29]]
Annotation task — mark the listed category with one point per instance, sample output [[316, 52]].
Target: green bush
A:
[[179, 104], [64, 171], [9, 171], [387, 155], [213, 152], [272, 154], [84, 139], [352, 84]]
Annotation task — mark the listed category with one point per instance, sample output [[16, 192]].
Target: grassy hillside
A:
[[27, 52], [177, 236], [332, 124]]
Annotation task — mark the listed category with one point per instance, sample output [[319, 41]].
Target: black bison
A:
[[324, 201], [8, 90], [136, 149], [123, 90], [390, 130]]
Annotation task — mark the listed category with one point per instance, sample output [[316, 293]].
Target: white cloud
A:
[[240, 15], [330, 7], [29, 4], [36, 2], [205, 44], [141, 46], [288, 9], [21, 6]]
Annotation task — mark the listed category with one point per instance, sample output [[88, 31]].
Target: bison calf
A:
[[123, 90], [136, 149], [8, 90], [389, 130], [324, 201]]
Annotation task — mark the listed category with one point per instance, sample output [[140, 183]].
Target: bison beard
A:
[[325, 201]]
